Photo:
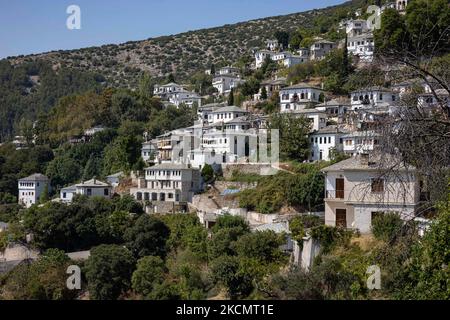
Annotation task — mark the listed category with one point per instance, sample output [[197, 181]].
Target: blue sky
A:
[[34, 26]]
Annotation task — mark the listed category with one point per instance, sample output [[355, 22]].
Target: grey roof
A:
[[169, 166], [115, 175], [374, 88], [279, 81], [238, 120], [230, 109], [376, 162], [341, 101], [329, 129], [302, 86], [307, 111], [35, 177], [72, 187], [93, 183]]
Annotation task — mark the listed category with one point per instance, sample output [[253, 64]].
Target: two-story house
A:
[[31, 188], [372, 97], [90, 188], [360, 188], [320, 48], [324, 141], [299, 96], [168, 187]]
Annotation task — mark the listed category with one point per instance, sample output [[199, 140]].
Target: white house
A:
[[222, 147], [90, 188], [372, 97], [187, 98], [298, 96], [356, 27], [272, 44], [167, 186], [359, 188], [336, 109], [225, 82], [324, 141], [320, 48], [362, 46], [229, 70], [271, 86], [148, 150], [226, 114], [162, 90], [261, 56], [360, 142], [31, 188]]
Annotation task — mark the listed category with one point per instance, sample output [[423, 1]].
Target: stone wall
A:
[[245, 168]]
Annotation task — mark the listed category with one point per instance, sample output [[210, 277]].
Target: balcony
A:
[[335, 194]]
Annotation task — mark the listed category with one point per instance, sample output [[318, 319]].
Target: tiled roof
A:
[[35, 177]]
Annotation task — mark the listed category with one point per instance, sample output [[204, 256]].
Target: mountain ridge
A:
[[182, 54]]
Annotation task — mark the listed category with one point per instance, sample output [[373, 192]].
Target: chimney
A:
[[95, 179], [364, 159]]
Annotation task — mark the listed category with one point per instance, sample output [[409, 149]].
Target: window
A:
[[329, 139], [106, 192], [377, 185], [381, 96], [64, 195], [89, 192], [320, 140]]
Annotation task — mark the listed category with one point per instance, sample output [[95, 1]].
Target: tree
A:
[[44, 195], [295, 40], [231, 97], [149, 272], [263, 246], [108, 271], [283, 38], [207, 173], [170, 78], [147, 237], [43, 279], [146, 86], [293, 132], [226, 271], [263, 93]]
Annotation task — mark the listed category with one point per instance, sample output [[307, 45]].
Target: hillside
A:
[[190, 52]]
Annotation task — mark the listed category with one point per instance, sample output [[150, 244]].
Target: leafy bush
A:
[[386, 226]]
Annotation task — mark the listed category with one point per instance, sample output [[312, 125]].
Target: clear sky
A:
[[34, 26]]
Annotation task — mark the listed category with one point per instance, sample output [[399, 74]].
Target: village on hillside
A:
[[290, 154]]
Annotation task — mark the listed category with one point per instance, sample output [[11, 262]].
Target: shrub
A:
[[386, 226]]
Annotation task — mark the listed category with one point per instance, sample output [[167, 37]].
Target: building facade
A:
[[31, 188]]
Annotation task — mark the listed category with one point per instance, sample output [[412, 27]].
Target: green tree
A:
[[147, 237], [108, 271], [207, 173], [263, 93], [230, 100], [149, 272], [283, 38], [293, 132]]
